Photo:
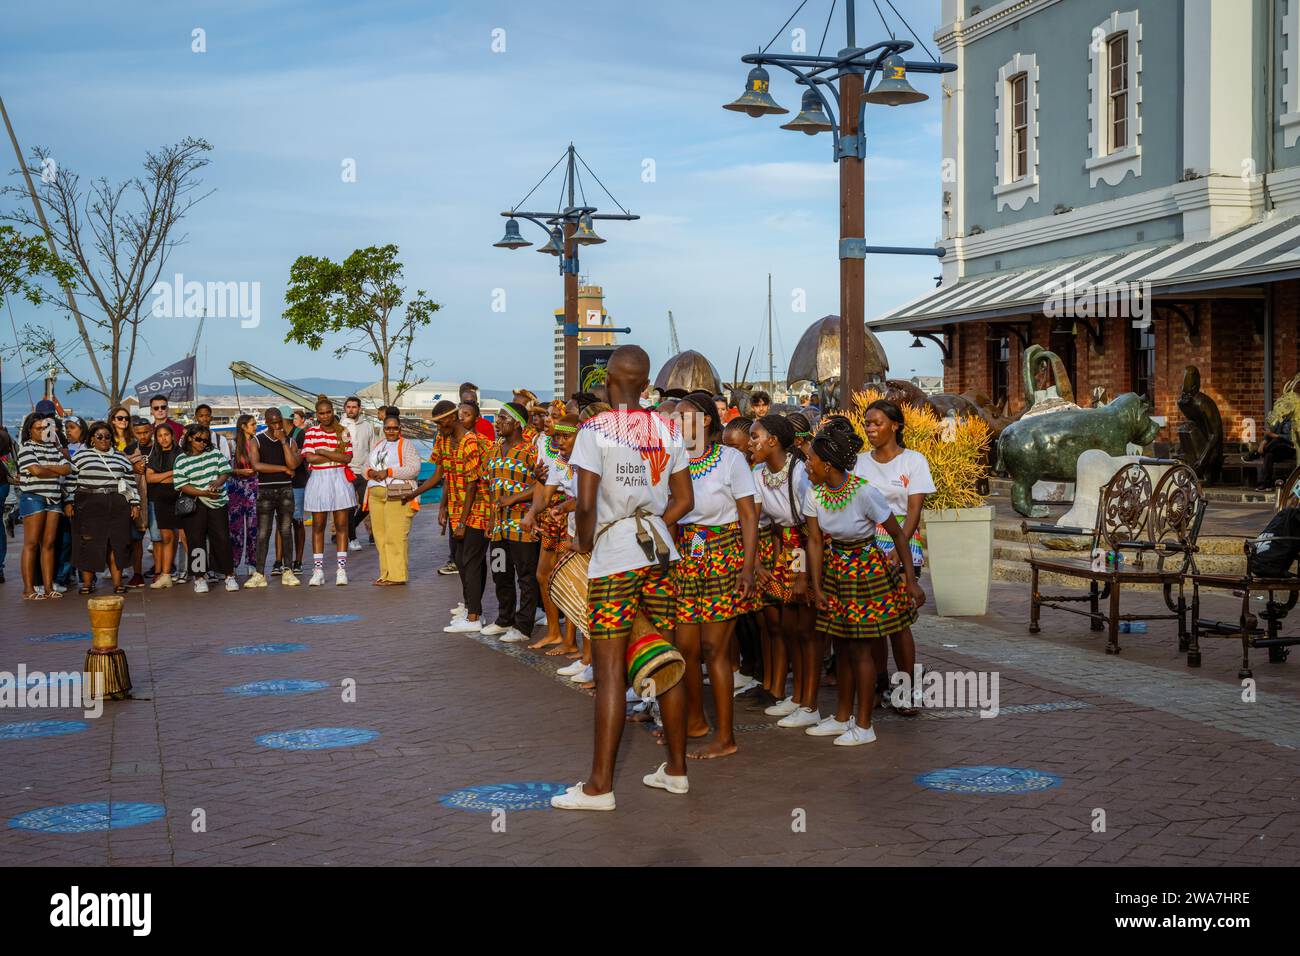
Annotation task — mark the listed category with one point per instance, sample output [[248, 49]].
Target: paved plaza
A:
[[1183, 770]]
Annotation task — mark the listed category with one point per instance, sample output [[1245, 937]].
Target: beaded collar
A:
[[837, 499], [706, 463], [775, 479]]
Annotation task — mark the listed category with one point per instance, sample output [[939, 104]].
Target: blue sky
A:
[[446, 133]]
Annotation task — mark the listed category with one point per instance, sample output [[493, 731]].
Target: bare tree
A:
[[116, 238]]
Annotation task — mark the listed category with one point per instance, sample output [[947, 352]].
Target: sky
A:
[[444, 133]]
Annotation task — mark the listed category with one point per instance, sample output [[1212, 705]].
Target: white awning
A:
[[1264, 251]]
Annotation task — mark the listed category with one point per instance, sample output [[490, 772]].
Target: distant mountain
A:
[[333, 386]]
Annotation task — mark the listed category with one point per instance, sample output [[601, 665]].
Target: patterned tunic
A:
[[465, 465], [508, 472]]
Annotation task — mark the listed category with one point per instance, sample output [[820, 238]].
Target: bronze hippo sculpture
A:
[[1048, 446]]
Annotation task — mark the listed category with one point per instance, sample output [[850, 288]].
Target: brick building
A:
[[1147, 154]]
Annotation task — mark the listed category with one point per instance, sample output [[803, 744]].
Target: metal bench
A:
[[1247, 628], [1143, 535]]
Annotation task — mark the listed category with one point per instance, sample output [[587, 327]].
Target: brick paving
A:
[[1185, 771]]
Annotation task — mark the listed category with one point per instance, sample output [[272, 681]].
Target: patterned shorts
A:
[[711, 561], [614, 600], [553, 524], [865, 594], [779, 549]]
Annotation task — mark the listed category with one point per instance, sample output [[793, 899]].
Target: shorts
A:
[[30, 504], [705, 577], [155, 532], [614, 600], [298, 497]]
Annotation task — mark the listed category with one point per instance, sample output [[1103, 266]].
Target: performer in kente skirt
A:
[[551, 514], [902, 476], [633, 484], [782, 481], [718, 541], [859, 596]]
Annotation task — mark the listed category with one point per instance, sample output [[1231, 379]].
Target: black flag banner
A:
[[174, 383]]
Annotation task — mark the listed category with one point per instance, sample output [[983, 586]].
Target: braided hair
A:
[[782, 429], [837, 446]]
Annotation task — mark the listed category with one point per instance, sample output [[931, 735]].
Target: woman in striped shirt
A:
[[41, 466], [200, 471], [329, 491], [103, 503]]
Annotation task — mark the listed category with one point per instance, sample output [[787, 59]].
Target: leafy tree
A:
[[23, 260], [360, 299]]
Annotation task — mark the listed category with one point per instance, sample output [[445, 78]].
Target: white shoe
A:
[[465, 626], [200, 585], [741, 684], [584, 676], [288, 579], [576, 799], [341, 577], [540, 616], [513, 636], [317, 578], [60, 588], [459, 610], [855, 736], [162, 581], [803, 717], [256, 580], [666, 781], [493, 629], [232, 583], [827, 727], [782, 708], [568, 670], [354, 545]]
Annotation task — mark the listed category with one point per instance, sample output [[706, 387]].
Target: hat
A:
[[529, 397], [443, 409], [653, 665], [45, 407]]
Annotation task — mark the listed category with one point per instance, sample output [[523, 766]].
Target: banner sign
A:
[[174, 383]]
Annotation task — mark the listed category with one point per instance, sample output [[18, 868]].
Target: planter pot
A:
[[959, 551]]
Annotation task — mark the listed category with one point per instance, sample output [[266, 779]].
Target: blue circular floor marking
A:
[[276, 688], [29, 729], [87, 817], [325, 619], [503, 796], [317, 738], [985, 779], [61, 636], [266, 649]]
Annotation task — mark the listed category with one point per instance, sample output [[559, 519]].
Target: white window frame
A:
[[1104, 164], [1290, 118], [1008, 190]]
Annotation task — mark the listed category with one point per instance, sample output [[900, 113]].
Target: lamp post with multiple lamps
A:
[[854, 68], [566, 229]]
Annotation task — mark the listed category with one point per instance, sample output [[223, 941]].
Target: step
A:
[[1206, 563], [1230, 494]]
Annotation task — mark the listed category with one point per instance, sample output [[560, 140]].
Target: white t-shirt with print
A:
[[774, 503], [633, 453], [857, 520], [717, 491], [908, 474], [560, 475]]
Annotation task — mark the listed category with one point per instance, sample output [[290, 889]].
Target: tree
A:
[[116, 239], [23, 260], [360, 299]]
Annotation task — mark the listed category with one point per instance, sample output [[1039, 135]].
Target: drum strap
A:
[[652, 543]]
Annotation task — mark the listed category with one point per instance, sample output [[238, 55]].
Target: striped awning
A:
[[1263, 251]]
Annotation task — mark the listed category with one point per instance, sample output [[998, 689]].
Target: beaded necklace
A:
[[706, 463], [775, 479], [837, 499]]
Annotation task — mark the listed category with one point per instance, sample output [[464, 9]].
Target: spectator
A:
[[41, 465], [162, 503], [200, 471], [103, 503]]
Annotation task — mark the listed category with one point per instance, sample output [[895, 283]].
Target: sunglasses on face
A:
[[197, 440], [159, 408], [100, 436], [121, 418]]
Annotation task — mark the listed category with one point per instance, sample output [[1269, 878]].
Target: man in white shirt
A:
[[203, 416], [361, 432], [633, 485]]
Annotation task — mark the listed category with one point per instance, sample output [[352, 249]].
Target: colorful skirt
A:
[[865, 594], [783, 551], [553, 524], [712, 557], [916, 545]]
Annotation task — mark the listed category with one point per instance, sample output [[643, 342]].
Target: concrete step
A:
[[1206, 563]]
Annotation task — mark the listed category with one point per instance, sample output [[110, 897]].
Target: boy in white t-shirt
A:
[[633, 484]]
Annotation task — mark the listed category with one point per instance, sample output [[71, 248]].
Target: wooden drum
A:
[[568, 592]]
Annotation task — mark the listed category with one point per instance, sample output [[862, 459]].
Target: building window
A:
[[999, 360], [1144, 362], [1114, 108], [1016, 138]]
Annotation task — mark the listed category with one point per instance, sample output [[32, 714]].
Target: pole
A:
[[49, 239], [570, 313], [852, 226], [771, 368]]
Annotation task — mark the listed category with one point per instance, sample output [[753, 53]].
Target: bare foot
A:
[[713, 749], [589, 685], [573, 655], [569, 651], [546, 641], [690, 734]]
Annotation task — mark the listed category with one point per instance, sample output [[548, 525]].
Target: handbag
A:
[[185, 504]]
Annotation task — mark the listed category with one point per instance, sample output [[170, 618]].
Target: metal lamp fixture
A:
[[556, 245], [756, 100], [811, 119], [916, 343], [893, 88], [512, 239], [584, 233]]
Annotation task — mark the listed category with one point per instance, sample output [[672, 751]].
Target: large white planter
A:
[[959, 551]]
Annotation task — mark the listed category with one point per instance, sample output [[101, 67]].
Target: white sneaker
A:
[[464, 626], [827, 727], [568, 670], [354, 545], [200, 585], [493, 629], [288, 579], [803, 717], [317, 578], [459, 610], [162, 581], [782, 708], [666, 781], [855, 736], [584, 676], [513, 636], [540, 616], [576, 799], [340, 577], [741, 684], [232, 583], [60, 588], [256, 580]]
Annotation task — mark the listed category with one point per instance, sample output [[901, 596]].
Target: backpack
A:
[[1274, 559]]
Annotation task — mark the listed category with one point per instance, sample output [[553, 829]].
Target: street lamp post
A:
[[566, 229], [854, 68]]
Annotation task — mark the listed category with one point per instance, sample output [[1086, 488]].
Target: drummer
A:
[[633, 485], [551, 514]]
